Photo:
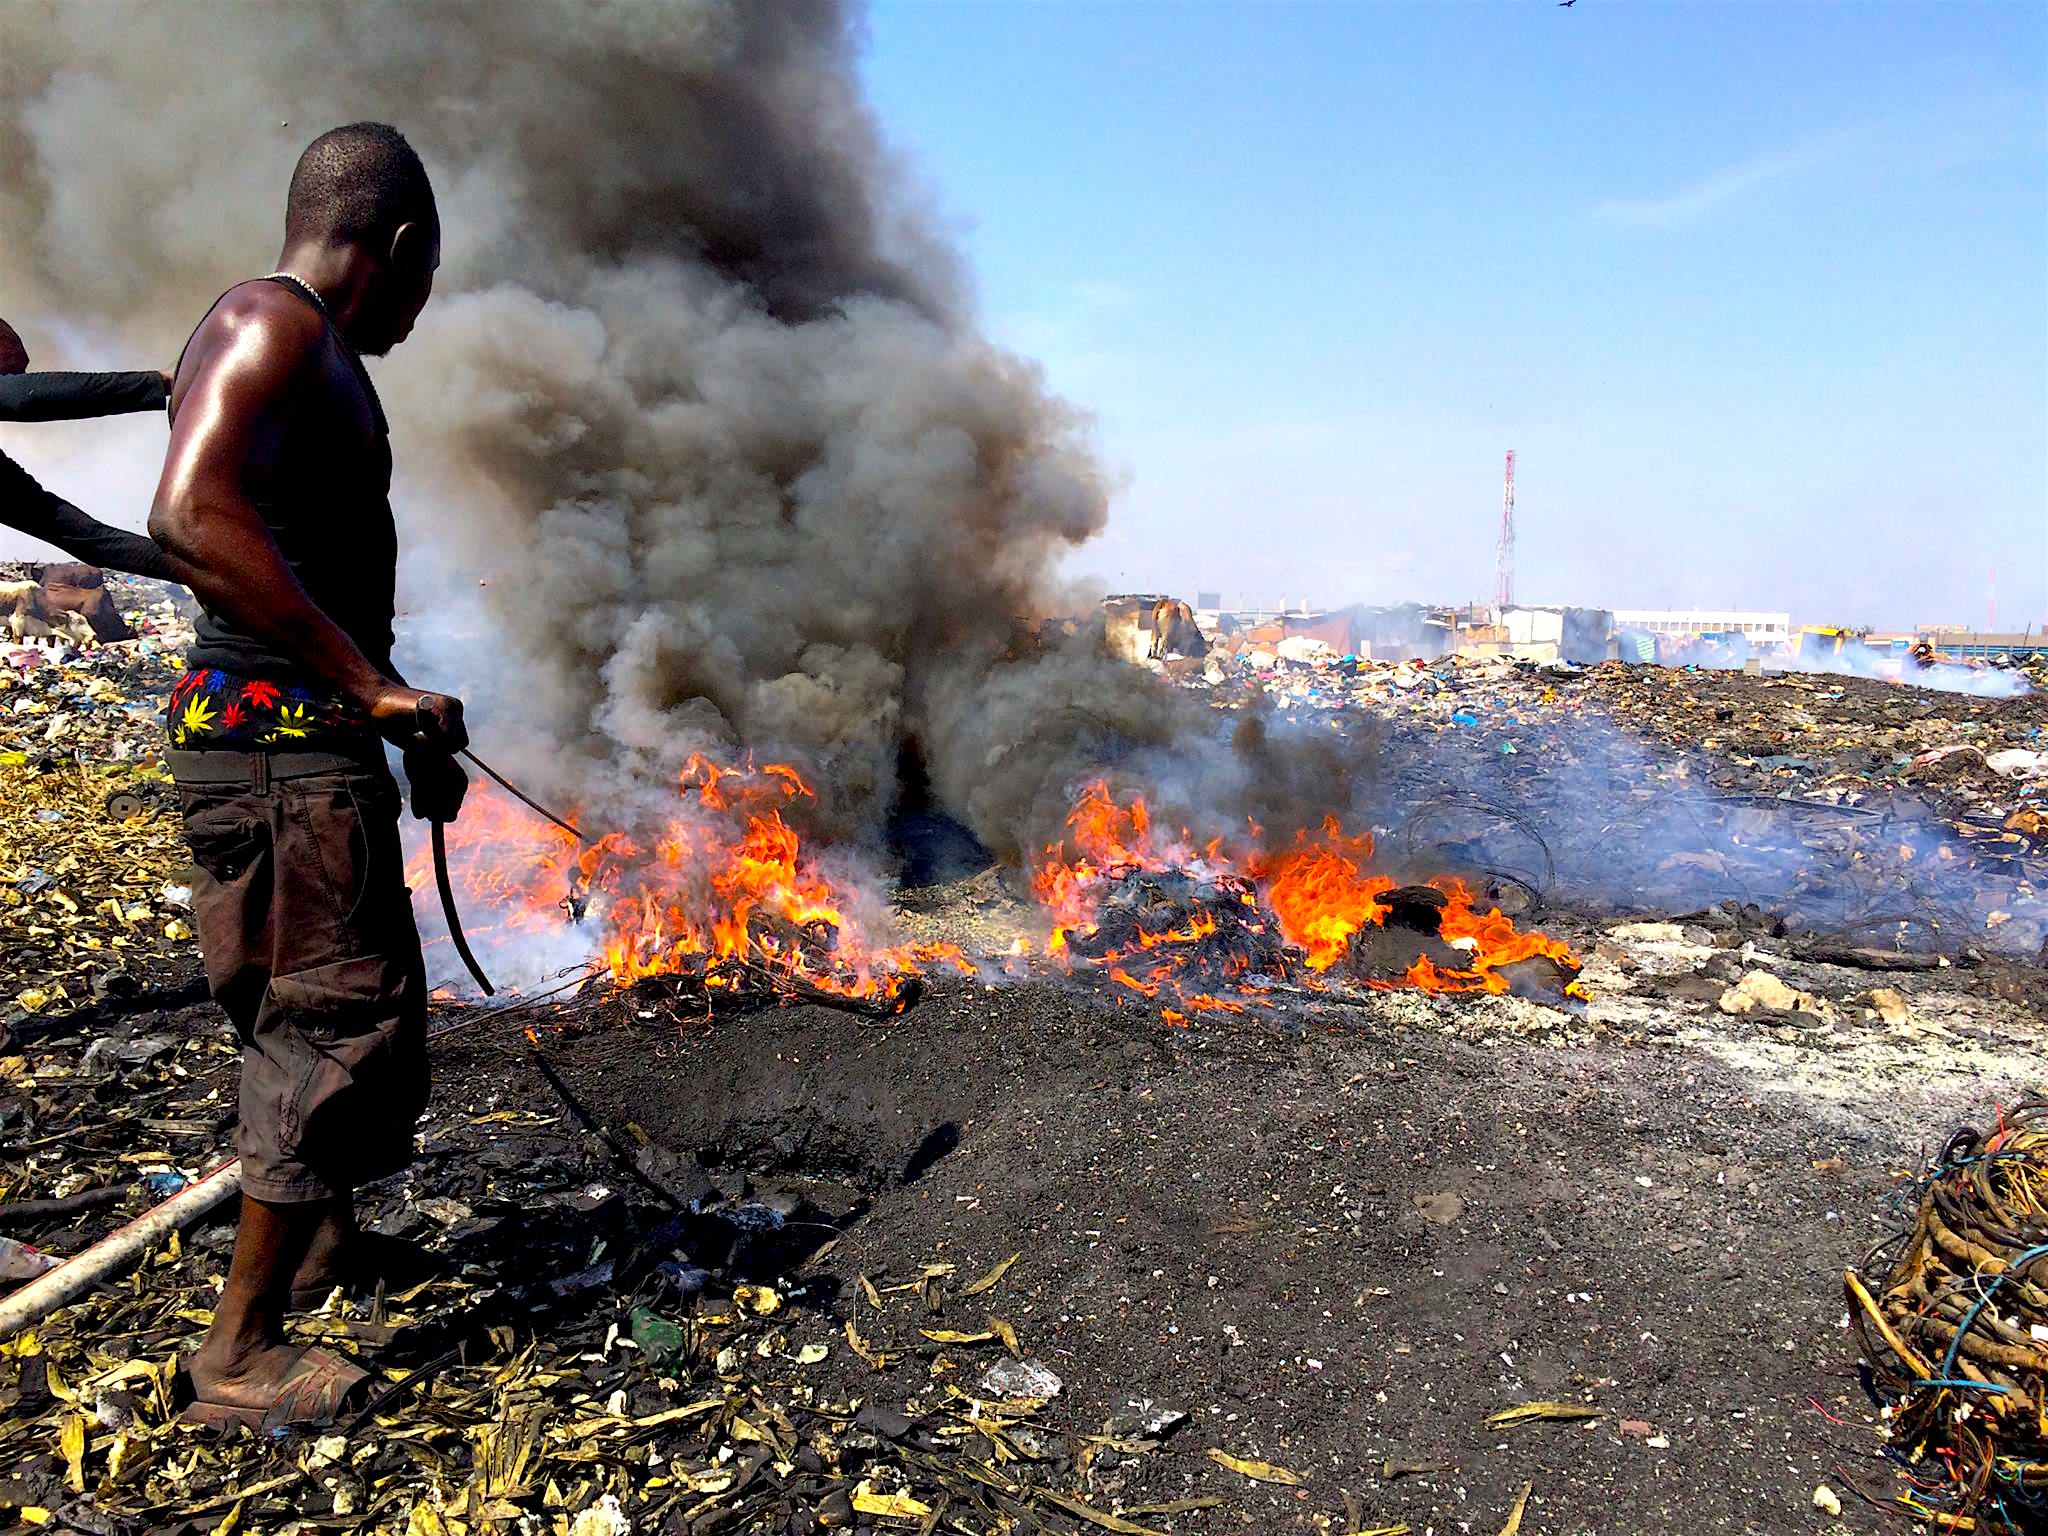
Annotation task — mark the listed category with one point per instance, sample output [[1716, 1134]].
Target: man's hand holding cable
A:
[[429, 727], [417, 720]]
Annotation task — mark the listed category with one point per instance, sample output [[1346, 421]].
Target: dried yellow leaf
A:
[[1522, 1413], [1257, 1471], [1094, 1516], [988, 1281], [954, 1336], [867, 1289], [761, 1300], [889, 1506], [1008, 1335], [1514, 1524], [71, 1441], [861, 1347], [126, 1459]]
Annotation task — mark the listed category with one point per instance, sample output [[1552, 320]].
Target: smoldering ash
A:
[[705, 449]]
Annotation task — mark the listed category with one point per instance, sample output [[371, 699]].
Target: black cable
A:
[[523, 797]]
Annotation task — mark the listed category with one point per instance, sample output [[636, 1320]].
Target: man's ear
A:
[[411, 245]]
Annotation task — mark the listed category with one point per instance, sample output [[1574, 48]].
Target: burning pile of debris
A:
[[1203, 928], [1953, 1318], [722, 900]]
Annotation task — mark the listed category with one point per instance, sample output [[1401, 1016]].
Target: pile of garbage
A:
[[94, 895], [1952, 1317], [66, 700]]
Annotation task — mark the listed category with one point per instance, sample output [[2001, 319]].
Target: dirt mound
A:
[[1331, 1247]]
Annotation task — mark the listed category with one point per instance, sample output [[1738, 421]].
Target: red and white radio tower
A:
[[1504, 551]]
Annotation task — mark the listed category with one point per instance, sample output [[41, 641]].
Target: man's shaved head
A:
[[358, 184], [362, 190]]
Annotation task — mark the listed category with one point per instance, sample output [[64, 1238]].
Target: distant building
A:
[[1540, 633], [1758, 629], [1966, 643]]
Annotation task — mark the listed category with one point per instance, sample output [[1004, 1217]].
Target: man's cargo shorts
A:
[[310, 947]]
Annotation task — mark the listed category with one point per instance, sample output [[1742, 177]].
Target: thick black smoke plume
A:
[[704, 447]]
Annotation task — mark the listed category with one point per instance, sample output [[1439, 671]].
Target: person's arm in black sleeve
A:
[[27, 508], [77, 396]]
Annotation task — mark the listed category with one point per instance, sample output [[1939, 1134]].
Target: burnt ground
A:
[[1337, 1237], [1344, 1240]]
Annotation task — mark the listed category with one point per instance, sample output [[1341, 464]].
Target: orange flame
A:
[[1321, 893], [726, 879], [1319, 887]]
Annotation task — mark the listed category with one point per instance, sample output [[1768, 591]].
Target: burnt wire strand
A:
[[523, 797], [1964, 1384]]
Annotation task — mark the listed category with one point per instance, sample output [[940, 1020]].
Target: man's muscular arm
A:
[[249, 365]]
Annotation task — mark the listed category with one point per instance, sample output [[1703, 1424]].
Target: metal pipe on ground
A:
[[118, 1250]]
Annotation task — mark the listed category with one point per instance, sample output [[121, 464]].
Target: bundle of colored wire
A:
[[1956, 1332]]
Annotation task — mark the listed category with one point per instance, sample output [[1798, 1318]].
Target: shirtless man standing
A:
[[274, 508]]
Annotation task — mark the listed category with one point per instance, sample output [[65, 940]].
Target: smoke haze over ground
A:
[[702, 447]]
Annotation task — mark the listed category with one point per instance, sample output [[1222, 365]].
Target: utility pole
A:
[[1504, 550]]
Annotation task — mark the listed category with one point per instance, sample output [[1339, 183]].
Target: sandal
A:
[[312, 1396]]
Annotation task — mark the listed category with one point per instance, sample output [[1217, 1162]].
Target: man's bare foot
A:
[[268, 1385], [342, 1254]]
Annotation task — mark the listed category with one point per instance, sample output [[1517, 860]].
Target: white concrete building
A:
[[1760, 628]]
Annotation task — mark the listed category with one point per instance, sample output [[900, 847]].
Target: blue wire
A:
[[1948, 1361]]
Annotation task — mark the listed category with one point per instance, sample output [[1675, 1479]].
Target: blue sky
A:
[[1758, 293]]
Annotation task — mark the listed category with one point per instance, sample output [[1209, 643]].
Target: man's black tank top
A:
[[329, 509]]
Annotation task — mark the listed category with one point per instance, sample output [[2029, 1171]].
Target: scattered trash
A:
[[1760, 991], [1020, 1379], [18, 1261], [1143, 1419]]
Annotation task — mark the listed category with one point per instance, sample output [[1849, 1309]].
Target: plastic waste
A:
[[18, 1261], [659, 1339], [1020, 1378], [681, 1281]]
